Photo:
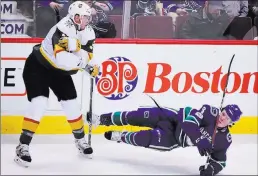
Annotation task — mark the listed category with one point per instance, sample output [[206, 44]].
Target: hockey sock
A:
[[119, 118], [29, 127], [140, 138], [77, 127]]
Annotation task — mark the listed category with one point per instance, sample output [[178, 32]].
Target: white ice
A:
[[56, 154]]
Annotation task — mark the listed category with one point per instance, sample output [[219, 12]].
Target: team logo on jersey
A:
[[118, 78], [69, 23], [214, 111], [229, 137]]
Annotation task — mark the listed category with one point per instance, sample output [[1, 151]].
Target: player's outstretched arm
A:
[[217, 163]]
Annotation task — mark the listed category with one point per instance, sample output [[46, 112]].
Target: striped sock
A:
[[129, 138], [77, 127], [29, 127], [119, 118]]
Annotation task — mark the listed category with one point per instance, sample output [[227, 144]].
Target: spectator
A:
[[236, 8], [100, 10], [26, 8], [253, 14], [180, 8], [45, 15], [253, 9], [117, 7], [186, 6], [143, 7], [102, 26], [208, 23], [61, 5]]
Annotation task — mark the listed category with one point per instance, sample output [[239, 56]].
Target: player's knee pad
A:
[[37, 108], [71, 109]]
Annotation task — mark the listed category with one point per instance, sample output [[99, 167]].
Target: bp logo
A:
[[118, 78]]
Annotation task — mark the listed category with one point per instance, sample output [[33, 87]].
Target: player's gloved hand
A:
[[69, 44], [209, 171], [92, 70], [204, 146]]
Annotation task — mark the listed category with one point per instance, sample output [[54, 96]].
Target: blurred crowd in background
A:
[[164, 19]]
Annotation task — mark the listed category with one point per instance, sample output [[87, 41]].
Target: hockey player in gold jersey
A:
[[67, 48]]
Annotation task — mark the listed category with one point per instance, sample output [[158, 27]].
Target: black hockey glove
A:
[[92, 70], [204, 146], [209, 171]]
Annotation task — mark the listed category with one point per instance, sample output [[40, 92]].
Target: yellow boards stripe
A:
[[59, 125]]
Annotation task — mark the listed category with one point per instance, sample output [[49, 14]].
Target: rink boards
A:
[[175, 73]]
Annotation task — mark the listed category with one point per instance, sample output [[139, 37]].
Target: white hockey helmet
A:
[[81, 9]]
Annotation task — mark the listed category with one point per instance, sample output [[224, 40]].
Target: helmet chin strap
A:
[[78, 27]]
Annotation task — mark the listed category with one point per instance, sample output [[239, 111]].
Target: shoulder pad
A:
[[67, 27], [211, 109], [91, 33]]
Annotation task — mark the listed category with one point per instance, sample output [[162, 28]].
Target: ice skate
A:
[[84, 147], [22, 157], [99, 120], [113, 135], [95, 120]]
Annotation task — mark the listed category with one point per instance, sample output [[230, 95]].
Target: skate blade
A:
[[88, 156], [20, 162]]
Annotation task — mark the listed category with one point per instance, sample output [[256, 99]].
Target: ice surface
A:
[[56, 154]]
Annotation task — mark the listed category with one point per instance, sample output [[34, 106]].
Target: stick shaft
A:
[[90, 110], [221, 106]]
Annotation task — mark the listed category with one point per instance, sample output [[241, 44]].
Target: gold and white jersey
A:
[[57, 56]]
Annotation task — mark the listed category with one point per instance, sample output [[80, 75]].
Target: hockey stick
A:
[[158, 104], [225, 88], [89, 118], [223, 96], [221, 105], [58, 18], [154, 101]]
